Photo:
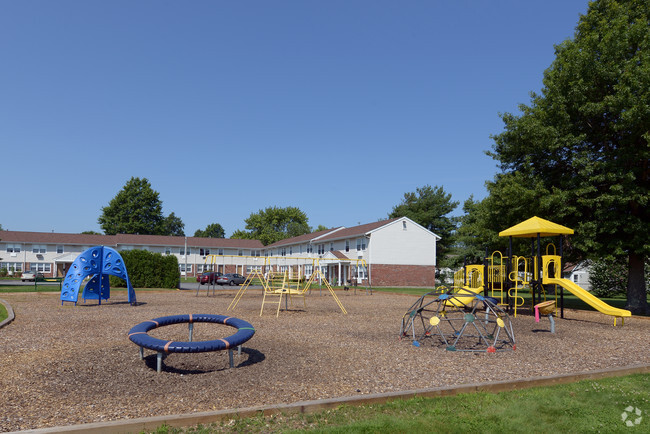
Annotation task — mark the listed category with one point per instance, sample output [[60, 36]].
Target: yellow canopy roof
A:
[[533, 226]]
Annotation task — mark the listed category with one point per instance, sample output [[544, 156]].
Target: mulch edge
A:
[[204, 418], [10, 313]]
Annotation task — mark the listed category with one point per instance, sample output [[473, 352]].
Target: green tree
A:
[[274, 224], [213, 230], [581, 147], [137, 209], [321, 228], [173, 225], [430, 207], [90, 233]]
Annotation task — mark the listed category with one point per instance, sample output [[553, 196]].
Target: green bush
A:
[[148, 270], [608, 277]]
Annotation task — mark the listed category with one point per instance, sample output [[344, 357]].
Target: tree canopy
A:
[[430, 207], [213, 230], [137, 209], [274, 224], [579, 153]]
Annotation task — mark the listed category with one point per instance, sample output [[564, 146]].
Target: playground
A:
[[65, 365]]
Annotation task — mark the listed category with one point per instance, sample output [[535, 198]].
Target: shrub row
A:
[[149, 270]]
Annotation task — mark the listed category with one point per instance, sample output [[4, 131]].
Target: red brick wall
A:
[[402, 275]]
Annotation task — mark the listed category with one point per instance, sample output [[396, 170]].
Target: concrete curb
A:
[[10, 313], [204, 418]]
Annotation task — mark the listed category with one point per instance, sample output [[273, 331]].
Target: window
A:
[[347, 245], [220, 252], [403, 225], [182, 251], [240, 253], [59, 248], [126, 248], [321, 249], [11, 266], [168, 250], [42, 267], [308, 270], [255, 253], [283, 251], [291, 250], [200, 268], [251, 268], [310, 248], [204, 252], [39, 248], [13, 248], [183, 270], [361, 244], [360, 272], [331, 247]]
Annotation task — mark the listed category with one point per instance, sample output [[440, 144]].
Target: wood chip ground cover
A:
[[64, 365]]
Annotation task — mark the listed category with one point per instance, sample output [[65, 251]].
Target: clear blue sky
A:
[[228, 107]]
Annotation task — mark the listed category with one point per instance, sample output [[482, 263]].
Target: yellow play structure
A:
[[510, 275]]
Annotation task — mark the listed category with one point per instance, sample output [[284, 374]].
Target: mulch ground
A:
[[64, 365]]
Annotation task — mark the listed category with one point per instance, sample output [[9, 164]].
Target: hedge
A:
[[149, 270]]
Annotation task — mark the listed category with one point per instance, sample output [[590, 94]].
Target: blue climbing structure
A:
[[98, 262]]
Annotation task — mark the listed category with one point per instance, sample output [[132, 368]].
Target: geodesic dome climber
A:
[[461, 321], [97, 262]]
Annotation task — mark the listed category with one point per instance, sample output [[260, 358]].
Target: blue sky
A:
[[229, 107]]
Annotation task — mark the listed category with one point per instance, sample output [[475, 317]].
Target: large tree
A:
[[581, 148], [173, 225], [213, 230], [274, 224], [137, 209], [430, 207]]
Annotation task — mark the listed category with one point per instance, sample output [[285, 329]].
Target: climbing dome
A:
[[459, 323]]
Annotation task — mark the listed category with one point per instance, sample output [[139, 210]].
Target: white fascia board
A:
[[438, 237]]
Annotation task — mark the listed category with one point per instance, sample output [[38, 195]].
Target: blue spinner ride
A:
[[98, 262]]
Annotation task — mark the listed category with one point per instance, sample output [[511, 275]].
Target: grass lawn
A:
[[585, 406], [3, 313]]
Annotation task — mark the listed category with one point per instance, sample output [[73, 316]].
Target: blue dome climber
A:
[[98, 262]]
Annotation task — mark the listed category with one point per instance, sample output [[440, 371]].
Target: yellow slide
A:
[[588, 298], [464, 296]]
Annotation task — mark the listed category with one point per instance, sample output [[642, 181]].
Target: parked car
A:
[[30, 276], [209, 277], [231, 279]]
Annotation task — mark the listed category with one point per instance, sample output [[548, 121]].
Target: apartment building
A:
[[395, 252]]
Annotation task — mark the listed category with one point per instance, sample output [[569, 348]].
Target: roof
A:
[[303, 238], [534, 226], [124, 239], [357, 230]]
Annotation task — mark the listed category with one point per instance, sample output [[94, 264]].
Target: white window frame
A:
[[12, 266], [14, 248], [41, 267], [39, 248]]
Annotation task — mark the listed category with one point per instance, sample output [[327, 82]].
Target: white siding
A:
[[392, 244]]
